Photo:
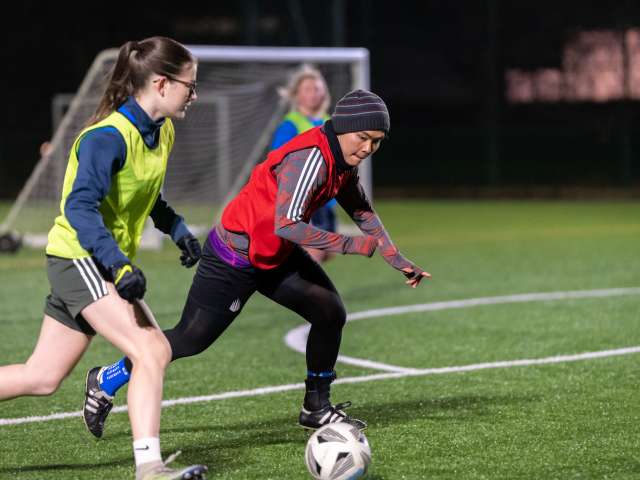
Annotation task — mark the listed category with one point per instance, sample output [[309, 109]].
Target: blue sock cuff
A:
[[311, 374], [114, 376]]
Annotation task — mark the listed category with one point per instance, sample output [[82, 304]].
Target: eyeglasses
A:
[[190, 85]]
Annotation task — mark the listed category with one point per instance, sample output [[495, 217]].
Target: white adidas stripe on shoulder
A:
[[307, 177], [314, 175], [302, 182]]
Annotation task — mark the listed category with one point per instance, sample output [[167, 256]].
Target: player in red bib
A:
[[258, 247]]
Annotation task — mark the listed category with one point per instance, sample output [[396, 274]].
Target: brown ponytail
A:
[[136, 62]]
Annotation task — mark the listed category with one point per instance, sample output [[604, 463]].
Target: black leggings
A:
[[219, 292]]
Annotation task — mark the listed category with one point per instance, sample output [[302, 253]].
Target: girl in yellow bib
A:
[[112, 185]]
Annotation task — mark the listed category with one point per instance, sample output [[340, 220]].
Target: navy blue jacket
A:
[[101, 154]]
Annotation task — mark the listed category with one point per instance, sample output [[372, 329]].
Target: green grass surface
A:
[[573, 420]]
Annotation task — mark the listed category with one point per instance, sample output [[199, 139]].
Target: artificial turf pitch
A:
[[565, 420]]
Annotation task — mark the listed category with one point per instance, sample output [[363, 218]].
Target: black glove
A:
[[191, 251], [414, 275], [129, 281]]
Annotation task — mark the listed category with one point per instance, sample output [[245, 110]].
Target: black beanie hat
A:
[[360, 110]]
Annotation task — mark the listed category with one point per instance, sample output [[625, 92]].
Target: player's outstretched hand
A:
[[414, 275], [129, 281], [191, 251]]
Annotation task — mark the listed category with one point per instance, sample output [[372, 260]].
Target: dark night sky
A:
[[429, 58]]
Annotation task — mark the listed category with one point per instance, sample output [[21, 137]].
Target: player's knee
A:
[[340, 315], [163, 353], [149, 361], [45, 385], [153, 354], [197, 330], [40, 380], [185, 345], [334, 315]]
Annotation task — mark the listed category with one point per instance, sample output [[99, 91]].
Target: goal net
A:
[[226, 132]]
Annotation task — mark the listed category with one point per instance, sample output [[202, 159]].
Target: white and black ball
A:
[[338, 451]]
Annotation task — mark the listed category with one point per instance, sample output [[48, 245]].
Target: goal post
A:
[[227, 131]]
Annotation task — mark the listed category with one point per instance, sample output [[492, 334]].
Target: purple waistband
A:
[[225, 252]]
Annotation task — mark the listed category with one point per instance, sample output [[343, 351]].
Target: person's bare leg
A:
[[129, 330], [56, 353]]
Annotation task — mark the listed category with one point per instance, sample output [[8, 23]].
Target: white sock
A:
[[146, 450]]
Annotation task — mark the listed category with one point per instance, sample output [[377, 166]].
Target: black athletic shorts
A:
[[225, 289]]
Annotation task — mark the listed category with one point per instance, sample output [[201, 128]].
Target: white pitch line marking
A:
[[406, 372], [361, 379], [296, 339]]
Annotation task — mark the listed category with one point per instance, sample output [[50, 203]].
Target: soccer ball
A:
[[338, 451]]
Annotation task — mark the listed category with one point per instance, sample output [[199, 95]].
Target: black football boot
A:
[[317, 409]]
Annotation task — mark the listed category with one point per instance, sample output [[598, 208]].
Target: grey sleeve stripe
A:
[[304, 183]]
